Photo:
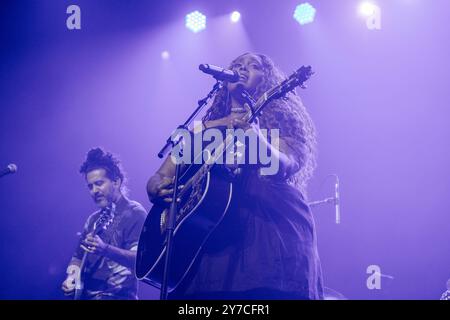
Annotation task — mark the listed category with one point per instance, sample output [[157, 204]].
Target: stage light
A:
[[165, 55], [372, 14], [304, 13], [367, 9], [235, 16], [196, 21]]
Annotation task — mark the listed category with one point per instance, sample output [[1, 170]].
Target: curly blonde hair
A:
[[287, 114]]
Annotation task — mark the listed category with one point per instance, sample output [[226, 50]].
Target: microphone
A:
[[219, 73], [337, 200], [11, 168]]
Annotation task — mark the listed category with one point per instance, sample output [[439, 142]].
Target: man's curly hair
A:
[[287, 114], [97, 158]]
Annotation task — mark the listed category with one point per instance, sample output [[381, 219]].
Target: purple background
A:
[[379, 99]]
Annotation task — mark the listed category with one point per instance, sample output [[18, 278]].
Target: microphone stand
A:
[[171, 219], [334, 200], [201, 104]]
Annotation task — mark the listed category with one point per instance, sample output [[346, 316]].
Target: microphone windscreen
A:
[[12, 167]]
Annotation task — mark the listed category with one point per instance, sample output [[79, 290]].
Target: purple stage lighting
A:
[[304, 13], [235, 16], [196, 21], [165, 55]]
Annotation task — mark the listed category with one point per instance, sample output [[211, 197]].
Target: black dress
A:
[[265, 247]]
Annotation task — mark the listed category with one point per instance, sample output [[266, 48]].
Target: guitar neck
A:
[[79, 283], [225, 145]]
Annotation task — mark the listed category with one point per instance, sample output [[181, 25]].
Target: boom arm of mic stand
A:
[[319, 202], [201, 104]]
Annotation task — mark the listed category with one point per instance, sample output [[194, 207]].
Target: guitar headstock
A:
[[106, 217], [298, 78]]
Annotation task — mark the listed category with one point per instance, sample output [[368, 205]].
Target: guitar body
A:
[[200, 211]]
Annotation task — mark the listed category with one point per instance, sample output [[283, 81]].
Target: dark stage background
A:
[[379, 99]]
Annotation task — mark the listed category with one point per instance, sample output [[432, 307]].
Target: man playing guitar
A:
[[102, 267]]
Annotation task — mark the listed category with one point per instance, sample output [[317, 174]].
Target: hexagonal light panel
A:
[[196, 21], [304, 13]]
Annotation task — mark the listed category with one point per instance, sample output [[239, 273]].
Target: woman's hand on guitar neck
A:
[[236, 119]]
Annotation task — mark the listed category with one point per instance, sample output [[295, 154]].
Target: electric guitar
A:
[[101, 224], [205, 199]]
